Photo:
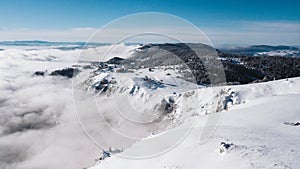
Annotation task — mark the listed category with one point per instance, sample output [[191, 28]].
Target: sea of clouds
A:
[[38, 124]]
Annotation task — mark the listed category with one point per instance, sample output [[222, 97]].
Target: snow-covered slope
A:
[[287, 53], [256, 126]]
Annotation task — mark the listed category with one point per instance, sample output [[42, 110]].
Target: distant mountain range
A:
[[264, 50]]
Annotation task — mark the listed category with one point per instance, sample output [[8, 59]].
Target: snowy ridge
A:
[[256, 129], [159, 90]]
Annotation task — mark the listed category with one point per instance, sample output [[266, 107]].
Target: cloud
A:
[[38, 126], [247, 32], [89, 29], [273, 26], [76, 34], [234, 32]]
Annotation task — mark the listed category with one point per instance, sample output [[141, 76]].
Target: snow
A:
[[288, 53], [255, 127]]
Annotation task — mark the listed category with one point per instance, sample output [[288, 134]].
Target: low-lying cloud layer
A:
[[38, 125]]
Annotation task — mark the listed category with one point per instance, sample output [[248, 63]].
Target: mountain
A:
[[264, 50], [151, 88], [259, 129], [195, 58]]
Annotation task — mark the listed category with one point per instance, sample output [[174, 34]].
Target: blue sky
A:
[[223, 21]]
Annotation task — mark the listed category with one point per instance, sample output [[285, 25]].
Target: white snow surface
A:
[[254, 126]]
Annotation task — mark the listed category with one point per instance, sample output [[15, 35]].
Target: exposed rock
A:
[[134, 89], [172, 99], [102, 65], [87, 67], [225, 147], [152, 83], [102, 85], [104, 155], [115, 60], [166, 107], [39, 73], [67, 72], [231, 98], [292, 124]]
